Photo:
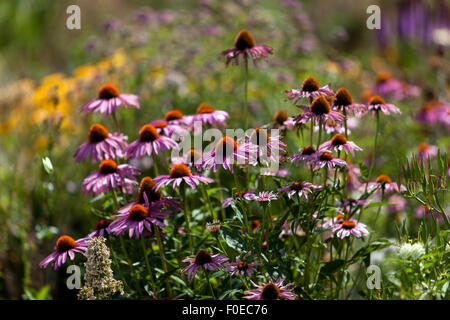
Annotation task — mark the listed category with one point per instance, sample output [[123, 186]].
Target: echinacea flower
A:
[[101, 145], [245, 46], [310, 89], [109, 99], [344, 102], [319, 110], [263, 196], [349, 227], [169, 129], [139, 218], [398, 90], [424, 212], [331, 126], [271, 291], [193, 159], [301, 189], [242, 267], [214, 226], [110, 175], [175, 116], [208, 115], [268, 148], [324, 158], [377, 103], [101, 228], [241, 195], [306, 154], [386, 184], [330, 222], [340, 142], [280, 118], [149, 142], [226, 152], [203, 260], [398, 204], [425, 151], [65, 246], [180, 173]]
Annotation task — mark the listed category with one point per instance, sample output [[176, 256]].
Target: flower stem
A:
[[372, 163], [155, 165], [163, 257], [187, 216], [208, 201], [130, 264], [149, 269], [209, 284], [245, 92]]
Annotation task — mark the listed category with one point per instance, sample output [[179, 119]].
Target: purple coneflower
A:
[[300, 188], [203, 260], [208, 115], [330, 222], [65, 246], [268, 148], [377, 103], [386, 184], [179, 173], [214, 226], [102, 145], [109, 99], [193, 159], [310, 89], [306, 154], [225, 153], [242, 267], [388, 86], [176, 117], [263, 196], [340, 142], [423, 212], [425, 151], [319, 110], [245, 46], [167, 129], [344, 102], [398, 205], [331, 126], [241, 195], [271, 291], [349, 227], [149, 141], [101, 228], [110, 175], [324, 158]]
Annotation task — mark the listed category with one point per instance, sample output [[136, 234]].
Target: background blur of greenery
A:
[[177, 65]]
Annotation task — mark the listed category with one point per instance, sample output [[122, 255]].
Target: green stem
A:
[[208, 202], [163, 257], [246, 93], [155, 165], [372, 163], [130, 264], [149, 269], [187, 215], [209, 284]]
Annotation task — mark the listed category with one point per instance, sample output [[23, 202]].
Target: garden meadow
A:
[[247, 150]]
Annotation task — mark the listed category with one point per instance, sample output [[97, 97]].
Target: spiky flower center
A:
[[97, 133], [320, 106], [205, 108], [270, 291], [225, 145], [179, 170], [280, 117], [326, 156], [173, 115], [193, 156], [65, 243], [107, 166], [423, 147], [242, 266], [244, 40], [338, 139], [160, 124], [148, 133], [138, 213], [310, 84], [146, 186], [308, 150], [383, 76], [297, 186], [340, 216], [382, 179], [259, 137], [376, 100], [108, 91], [202, 257], [343, 97], [102, 224], [348, 224]]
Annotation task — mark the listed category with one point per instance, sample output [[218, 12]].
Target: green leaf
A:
[[233, 239], [363, 169], [364, 252]]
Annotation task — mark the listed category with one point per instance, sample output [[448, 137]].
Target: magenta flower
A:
[[203, 260], [398, 205], [226, 152], [319, 110], [300, 188], [193, 159], [344, 102], [245, 46], [271, 291], [180, 173], [110, 175], [340, 142], [390, 87], [109, 99], [263, 196], [324, 158], [307, 154], [168, 129], [349, 227], [333, 127], [310, 89], [65, 246], [208, 115], [267, 148], [242, 267], [386, 184], [101, 228], [423, 212], [102, 145], [377, 103], [149, 142], [425, 151], [176, 117]]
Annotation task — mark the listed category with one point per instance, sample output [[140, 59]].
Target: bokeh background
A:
[[167, 53]]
